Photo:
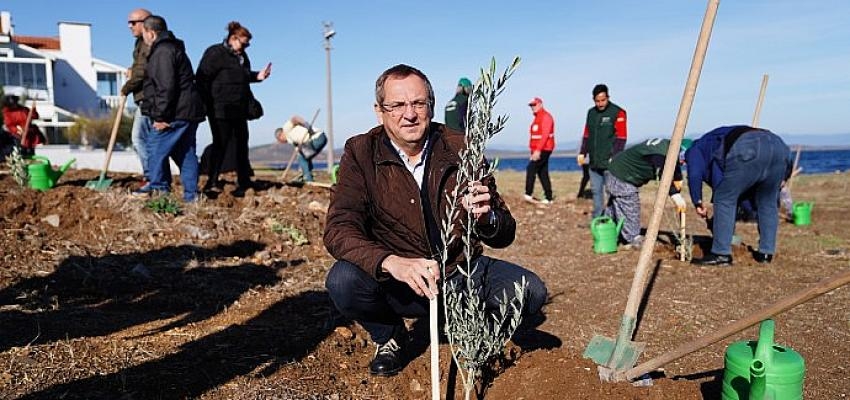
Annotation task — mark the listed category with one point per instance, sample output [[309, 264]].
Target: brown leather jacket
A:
[[376, 209]]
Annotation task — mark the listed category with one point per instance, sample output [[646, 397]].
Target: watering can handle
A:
[[599, 220], [43, 158]]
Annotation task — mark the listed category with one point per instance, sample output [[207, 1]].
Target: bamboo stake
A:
[[793, 300], [627, 326], [682, 233], [760, 101]]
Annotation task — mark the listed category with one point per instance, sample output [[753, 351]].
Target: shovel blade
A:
[[606, 351], [99, 185]]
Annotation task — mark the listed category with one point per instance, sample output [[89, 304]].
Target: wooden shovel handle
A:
[[783, 304], [121, 102], [642, 270]]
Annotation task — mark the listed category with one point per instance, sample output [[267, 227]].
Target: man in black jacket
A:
[[174, 108]]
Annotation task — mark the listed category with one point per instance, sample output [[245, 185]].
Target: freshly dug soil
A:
[[102, 298]]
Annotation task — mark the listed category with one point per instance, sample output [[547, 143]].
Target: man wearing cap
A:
[[604, 136], [457, 106], [541, 143], [737, 161], [626, 173]]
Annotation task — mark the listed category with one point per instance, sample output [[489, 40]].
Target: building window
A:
[[107, 84], [25, 75]]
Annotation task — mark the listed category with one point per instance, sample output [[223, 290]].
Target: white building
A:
[[60, 74]]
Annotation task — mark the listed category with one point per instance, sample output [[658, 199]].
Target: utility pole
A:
[[329, 32]]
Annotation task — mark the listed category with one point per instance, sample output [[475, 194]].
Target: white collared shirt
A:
[[418, 169]]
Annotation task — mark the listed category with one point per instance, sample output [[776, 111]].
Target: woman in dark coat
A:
[[223, 77]]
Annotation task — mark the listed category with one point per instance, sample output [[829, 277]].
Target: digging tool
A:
[[297, 149], [786, 303], [621, 353], [760, 101], [101, 184]]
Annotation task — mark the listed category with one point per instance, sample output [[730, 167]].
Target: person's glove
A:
[[677, 185], [679, 201], [580, 159]]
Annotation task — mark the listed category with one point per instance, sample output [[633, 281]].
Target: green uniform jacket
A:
[[642, 162], [601, 132]]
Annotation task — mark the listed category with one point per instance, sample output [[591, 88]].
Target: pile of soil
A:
[[102, 298]]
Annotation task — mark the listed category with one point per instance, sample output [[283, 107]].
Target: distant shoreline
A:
[[524, 154]]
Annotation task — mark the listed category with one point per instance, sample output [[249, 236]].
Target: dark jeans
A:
[[539, 168], [380, 306], [306, 153], [223, 131], [756, 163]]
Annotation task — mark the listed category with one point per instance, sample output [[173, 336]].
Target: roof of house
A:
[[38, 42]]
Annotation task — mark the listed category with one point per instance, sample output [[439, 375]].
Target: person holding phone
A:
[[224, 76]]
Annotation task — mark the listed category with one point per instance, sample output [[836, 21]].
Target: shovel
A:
[[101, 184], [620, 354]]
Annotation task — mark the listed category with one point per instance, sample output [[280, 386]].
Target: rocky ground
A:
[[101, 298]]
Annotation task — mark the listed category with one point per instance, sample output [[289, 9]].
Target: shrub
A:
[[95, 131]]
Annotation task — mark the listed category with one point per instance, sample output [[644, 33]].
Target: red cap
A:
[[535, 101]]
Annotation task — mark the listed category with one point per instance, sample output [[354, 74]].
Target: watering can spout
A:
[[65, 167], [762, 360]]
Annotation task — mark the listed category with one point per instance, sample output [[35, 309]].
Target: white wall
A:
[[74, 79]]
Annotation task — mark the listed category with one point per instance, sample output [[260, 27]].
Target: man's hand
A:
[[701, 211], [535, 155], [418, 273], [580, 159], [679, 201], [161, 126], [476, 201]]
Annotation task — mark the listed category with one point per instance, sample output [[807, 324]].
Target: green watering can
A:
[[334, 174], [42, 175], [762, 370], [606, 234], [802, 212]]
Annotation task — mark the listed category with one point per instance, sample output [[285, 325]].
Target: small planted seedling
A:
[[164, 205]]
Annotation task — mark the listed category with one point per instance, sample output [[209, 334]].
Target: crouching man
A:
[[383, 224]]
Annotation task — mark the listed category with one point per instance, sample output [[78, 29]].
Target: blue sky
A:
[[642, 50]]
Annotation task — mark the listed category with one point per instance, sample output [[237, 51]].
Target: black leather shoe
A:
[[389, 359], [763, 258], [714, 260]]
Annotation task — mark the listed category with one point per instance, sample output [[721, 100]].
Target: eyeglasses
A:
[[398, 108], [134, 22], [245, 44]]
